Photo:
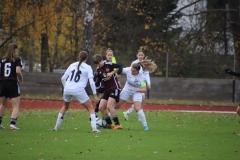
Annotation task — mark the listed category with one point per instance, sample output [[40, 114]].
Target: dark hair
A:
[[10, 54], [97, 58], [83, 55], [136, 66]]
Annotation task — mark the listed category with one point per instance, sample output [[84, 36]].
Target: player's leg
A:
[[15, 105], [137, 105], [143, 97], [66, 102], [129, 111], [113, 98], [61, 115], [89, 107], [14, 96], [102, 109], [96, 110], [2, 109]]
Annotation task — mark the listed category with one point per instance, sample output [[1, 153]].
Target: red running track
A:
[[56, 104]]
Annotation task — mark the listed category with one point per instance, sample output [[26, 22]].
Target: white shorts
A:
[[126, 94], [80, 95]]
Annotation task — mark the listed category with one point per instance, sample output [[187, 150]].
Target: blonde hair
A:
[[109, 50], [148, 65]]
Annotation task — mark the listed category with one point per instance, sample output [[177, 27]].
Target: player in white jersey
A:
[[134, 87], [74, 82], [140, 55]]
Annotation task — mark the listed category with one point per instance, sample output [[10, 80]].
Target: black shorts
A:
[[9, 89], [114, 94]]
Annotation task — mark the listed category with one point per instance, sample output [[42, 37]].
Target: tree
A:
[[88, 30], [235, 25]]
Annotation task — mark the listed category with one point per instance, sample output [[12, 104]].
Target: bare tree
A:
[[235, 25], [88, 30]]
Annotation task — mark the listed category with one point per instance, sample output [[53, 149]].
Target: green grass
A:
[[172, 135]]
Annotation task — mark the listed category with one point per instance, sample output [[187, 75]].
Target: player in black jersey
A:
[[10, 77], [106, 74]]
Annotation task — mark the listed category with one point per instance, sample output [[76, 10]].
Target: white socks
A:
[[130, 110], [142, 117], [93, 121], [59, 119]]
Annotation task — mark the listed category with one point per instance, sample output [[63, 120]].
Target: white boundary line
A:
[[195, 111]]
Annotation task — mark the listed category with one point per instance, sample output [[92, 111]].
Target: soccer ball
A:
[[99, 122]]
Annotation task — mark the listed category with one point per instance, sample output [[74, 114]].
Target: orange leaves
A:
[[147, 26]]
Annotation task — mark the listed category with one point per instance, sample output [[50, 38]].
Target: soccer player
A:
[[135, 86], [74, 81], [106, 73], [228, 71], [140, 57], [10, 77]]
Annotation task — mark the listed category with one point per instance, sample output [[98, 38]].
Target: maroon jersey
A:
[[109, 84], [8, 69]]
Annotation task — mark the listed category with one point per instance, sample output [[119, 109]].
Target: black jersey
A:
[[8, 69], [110, 84]]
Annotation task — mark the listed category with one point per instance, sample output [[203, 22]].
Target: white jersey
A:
[[146, 73], [133, 81], [72, 81]]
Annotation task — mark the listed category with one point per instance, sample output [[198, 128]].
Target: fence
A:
[[162, 88]]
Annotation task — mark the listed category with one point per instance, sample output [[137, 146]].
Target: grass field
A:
[[172, 136]]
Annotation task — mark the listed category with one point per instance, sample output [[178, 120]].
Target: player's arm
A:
[[147, 76], [18, 70], [143, 88], [65, 76], [118, 67], [93, 87]]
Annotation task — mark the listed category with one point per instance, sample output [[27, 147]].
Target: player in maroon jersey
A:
[[10, 77], [106, 73]]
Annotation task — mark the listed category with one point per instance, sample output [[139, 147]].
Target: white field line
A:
[[195, 111]]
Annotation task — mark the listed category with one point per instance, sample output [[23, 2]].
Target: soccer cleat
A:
[[118, 127], [13, 127], [56, 128], [95, 131], [104, 124], [110, 126], [1, 127], [145, 128], [125, 115]]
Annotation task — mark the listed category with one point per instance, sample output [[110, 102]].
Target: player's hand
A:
[[118, 76], [109, 75], [21, 81], [149, 86], [227, 70]]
